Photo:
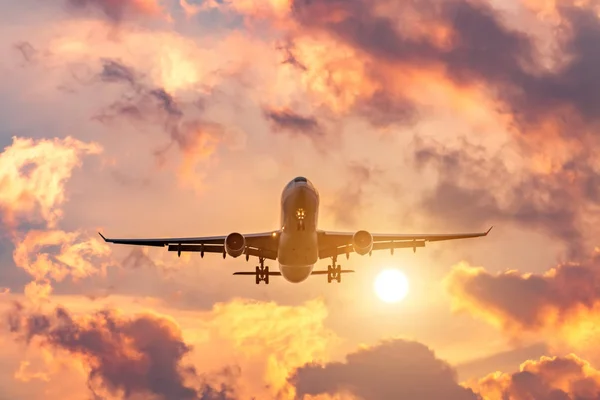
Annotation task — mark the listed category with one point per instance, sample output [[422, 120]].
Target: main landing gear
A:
[[334, 272], [262, 272]]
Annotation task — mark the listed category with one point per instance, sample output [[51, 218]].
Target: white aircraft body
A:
[[299, 244]]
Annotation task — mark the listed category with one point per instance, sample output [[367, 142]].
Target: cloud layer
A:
[[125, 356], [184, 118]]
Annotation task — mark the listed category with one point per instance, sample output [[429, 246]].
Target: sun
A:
[[391, 286]]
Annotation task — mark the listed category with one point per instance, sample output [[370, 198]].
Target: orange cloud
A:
[[245, 349], [117, 10], [198, 141], [549, 378], [181, 65], [121, 350], [393, 369], [167, 87], [124, 356], [563, 303], [33, 174], [264, 9], [271, 340], [77, 257], [38, 291]]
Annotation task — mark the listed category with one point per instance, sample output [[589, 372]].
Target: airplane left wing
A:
[[332, 244], [257, 244]]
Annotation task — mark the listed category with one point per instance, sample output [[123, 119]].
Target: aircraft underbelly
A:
[[298, 253]]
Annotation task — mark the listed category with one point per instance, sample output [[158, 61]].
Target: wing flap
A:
[[337, 251], [336, 239], [199, 248]]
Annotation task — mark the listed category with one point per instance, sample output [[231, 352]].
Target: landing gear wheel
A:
[[334, 272], [262, 272]]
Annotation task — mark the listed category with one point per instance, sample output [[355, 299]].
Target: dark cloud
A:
[[115, 71], [399, 369], [549, 378], [27, 51], [141, 102], [396, 369], [290, 58], [133, 356], [550, 112], [475, 188], [350, 200], [480, 47], [529, 302], [138, 259], [382, 109], [286, 120], [115, 10]]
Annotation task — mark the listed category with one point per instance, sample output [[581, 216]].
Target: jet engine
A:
[[235, 244], [362, 241]]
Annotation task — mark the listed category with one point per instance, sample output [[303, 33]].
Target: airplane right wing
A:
[[332, 244]]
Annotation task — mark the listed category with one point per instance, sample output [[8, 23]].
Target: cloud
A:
[[387, 62], [460, 37], [564, 301], [407, 369], [264, 10], [549, 378], [117, 72], [351, 198], [286, 120], [33, 179], [196, 138], [126, 356], [242, 348], [404, 369], [273, 339], [116, 11], [55, 254], [337, 80], [33, 174], [474, 186]]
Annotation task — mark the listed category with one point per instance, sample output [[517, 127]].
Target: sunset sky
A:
[[157, 118]]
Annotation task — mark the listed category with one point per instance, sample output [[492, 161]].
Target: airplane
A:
[[298, 244]]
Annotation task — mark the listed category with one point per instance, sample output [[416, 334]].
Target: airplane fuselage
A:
[[297, 244], [298, 249]]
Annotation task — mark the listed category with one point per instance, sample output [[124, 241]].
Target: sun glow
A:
[[391, 286]]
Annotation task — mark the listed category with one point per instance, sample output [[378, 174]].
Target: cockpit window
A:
[[300, 179]]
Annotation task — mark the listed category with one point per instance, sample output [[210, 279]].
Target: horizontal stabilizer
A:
[[277, 273], [344, 271]]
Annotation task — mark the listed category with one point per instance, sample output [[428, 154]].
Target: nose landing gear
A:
[[334, 272], [262, 272]]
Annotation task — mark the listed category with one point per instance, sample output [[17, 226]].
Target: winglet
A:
[[102, 236], [488, 231]]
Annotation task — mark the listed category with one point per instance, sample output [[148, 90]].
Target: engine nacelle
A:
[[235, 243], [362, 241]]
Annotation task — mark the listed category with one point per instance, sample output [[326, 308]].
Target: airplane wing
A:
[[258, 244], [332, 244]]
